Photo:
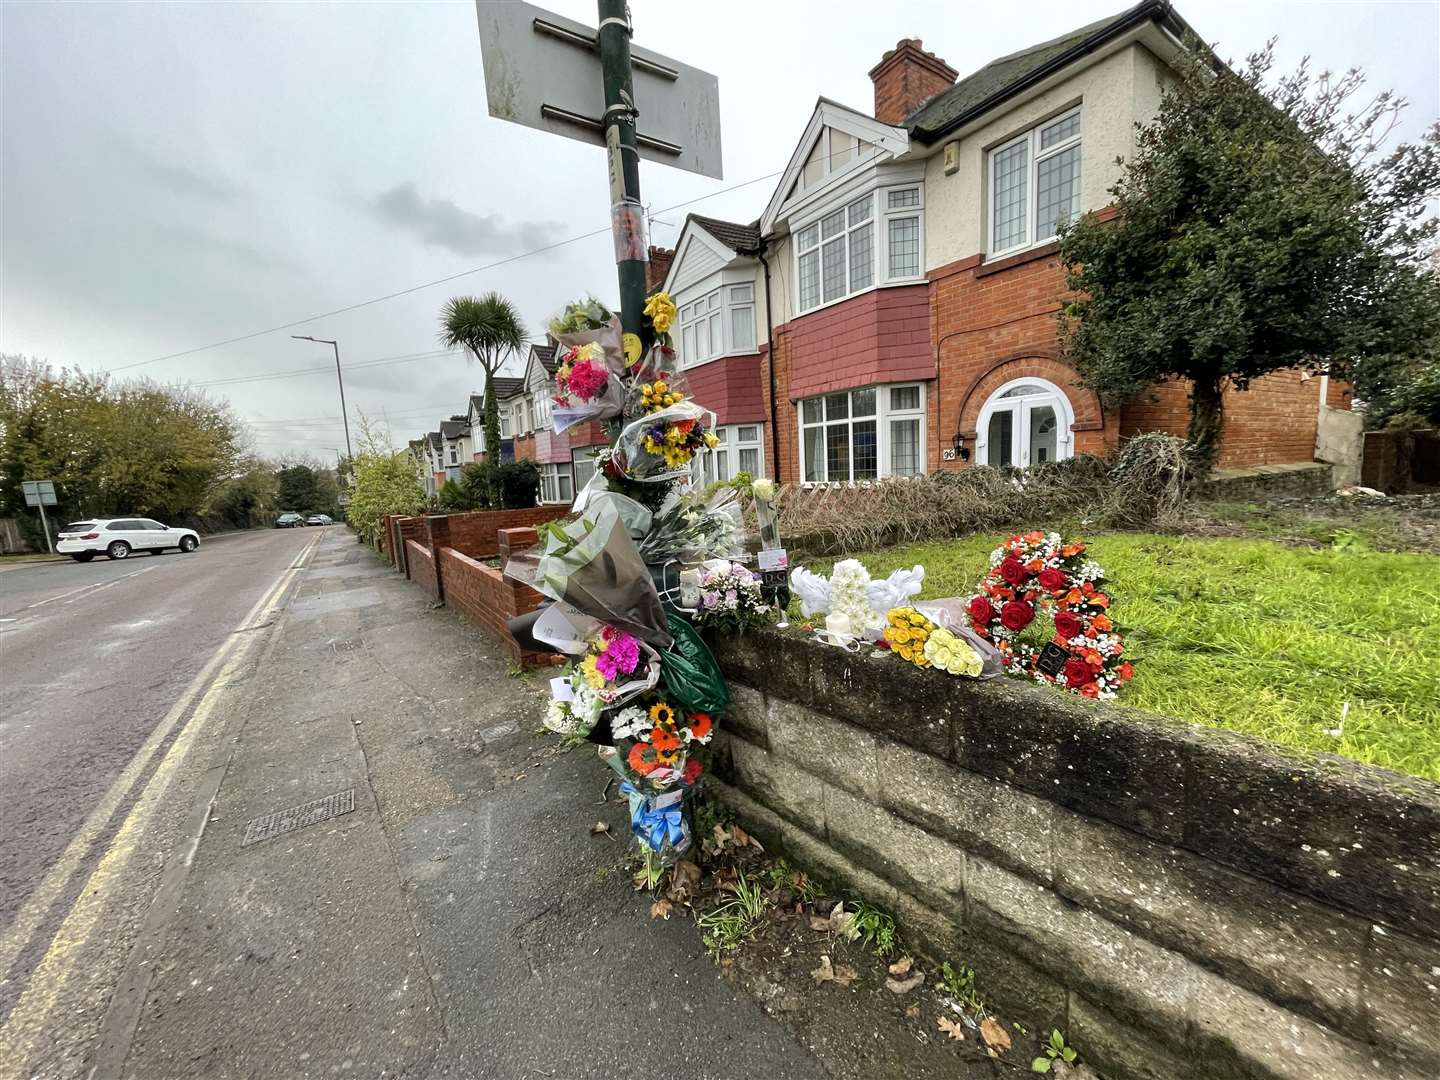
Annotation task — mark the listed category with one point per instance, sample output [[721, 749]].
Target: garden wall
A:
[[486, 596], [1181, 901], [474, 533], [420, 566]]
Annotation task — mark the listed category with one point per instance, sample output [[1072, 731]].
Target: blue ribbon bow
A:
[[655, 825]]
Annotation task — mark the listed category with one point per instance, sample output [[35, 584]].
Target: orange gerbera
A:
[[637, 760], [663, 739], [700, 724]]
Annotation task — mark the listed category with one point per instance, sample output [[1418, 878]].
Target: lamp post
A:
[[338, 378]]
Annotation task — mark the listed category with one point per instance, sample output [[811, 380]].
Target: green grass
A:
[[1258, 638]]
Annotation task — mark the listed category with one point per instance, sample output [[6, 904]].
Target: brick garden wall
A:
[[485, 596], [422, 568], [475, 533], [1181, 902]]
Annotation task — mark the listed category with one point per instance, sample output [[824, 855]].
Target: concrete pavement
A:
[[460, 921]]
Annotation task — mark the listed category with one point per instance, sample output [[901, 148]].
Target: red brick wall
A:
[[551, 449], [879, 336], [591, 434], [412, 528], [487, 597], [476, 533], [1271, 423], [525, 448], [422, 568], [730, 387]]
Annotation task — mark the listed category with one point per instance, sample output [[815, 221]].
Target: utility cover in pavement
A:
[[297, 817]]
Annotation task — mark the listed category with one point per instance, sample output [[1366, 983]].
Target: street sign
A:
[[38, 492], [543, 70]]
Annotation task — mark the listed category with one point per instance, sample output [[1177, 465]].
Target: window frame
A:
[[725, 308], [551, 475], [1035, 155], [880, 216], [882, 416], [887, 214], [703, 468], [1051, 393]]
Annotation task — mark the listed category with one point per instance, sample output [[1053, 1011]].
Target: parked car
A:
[[116, 538], [290, 521], [317, 519]]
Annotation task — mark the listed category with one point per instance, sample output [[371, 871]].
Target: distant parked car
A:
[[290, 521], [326, 519], [317, 519], [116, 538]]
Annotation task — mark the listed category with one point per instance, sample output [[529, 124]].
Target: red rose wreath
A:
[[1041, 574]]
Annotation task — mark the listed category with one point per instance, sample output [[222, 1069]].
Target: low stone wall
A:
[[421, 568], [1182, 902], [1268, 481], [486, 596]]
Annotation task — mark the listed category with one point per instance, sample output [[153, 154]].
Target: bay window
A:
[[863, 434], [839, 255], [1034, 184], [555, 485], [741, 449], [720, 323], [504, 423]]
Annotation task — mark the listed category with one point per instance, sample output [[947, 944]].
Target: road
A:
[[105, 666]]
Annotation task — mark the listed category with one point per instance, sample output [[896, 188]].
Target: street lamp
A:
[[338, 378]]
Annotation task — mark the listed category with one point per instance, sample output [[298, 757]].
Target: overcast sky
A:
[[179, 174]]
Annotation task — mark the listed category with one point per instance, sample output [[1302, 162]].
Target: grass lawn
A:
[[1260, 638]]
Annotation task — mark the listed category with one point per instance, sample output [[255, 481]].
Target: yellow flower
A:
[[712, 440], [916, 619], [661, 310], [591, 673], [662, 714], [898, 634], [660, 386]]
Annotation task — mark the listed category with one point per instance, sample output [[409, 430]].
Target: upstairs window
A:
[[840, 255], [720, 323], [902, 211], [1035, 184], [505, 423]]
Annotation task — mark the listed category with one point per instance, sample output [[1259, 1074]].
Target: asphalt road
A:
[[100, 667]]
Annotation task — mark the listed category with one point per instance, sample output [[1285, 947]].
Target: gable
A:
[[837, 142], [700, 255]]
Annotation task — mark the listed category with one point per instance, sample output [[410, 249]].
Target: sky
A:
[[177, 175]]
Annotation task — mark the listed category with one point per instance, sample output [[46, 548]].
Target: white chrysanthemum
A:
[[849, 595], [629, 723]]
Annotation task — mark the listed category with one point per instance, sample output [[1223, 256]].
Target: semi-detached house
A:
[[893, 310]]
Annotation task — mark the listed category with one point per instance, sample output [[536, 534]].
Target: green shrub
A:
[[479, 483], [518, 483]]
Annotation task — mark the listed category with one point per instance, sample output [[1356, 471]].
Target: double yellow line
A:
[[44, 991]]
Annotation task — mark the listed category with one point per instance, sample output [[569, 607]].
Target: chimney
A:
[[907, 77], [658, 267]]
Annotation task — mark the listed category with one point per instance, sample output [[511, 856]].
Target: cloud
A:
[[442, 223], [177, 178], [207, 243]]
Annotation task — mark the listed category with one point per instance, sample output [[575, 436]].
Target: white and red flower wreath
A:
[[1041, 573]]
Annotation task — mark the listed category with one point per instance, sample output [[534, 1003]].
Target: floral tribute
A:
[[1041, 575], [731, 597], [610, 671], [583, 373], [916, 638]]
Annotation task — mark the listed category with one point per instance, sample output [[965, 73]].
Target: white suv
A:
[[118, 537]]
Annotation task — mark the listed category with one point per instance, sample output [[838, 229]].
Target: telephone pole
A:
[[627, 216]]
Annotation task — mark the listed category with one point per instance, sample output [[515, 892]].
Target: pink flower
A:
[[588, 379]]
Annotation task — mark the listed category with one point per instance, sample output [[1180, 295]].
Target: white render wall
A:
[[1114, 94]]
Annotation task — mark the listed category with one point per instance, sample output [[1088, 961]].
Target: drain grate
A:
[[297, 817]]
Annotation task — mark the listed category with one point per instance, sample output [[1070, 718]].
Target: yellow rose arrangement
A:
[[951, 653], [658, 395], [661, 310], [907, 632]]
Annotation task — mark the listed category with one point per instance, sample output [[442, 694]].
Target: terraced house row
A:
[[893, 309]]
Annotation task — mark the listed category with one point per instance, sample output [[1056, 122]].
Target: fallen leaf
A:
[[722, 837], [997, 1039], [901, 966], [599, 827], [912, 1013], [660, 909], [741, 836], [842, 922], [840, 975], [905, 985], [951, 1028], [683, 883], [817, 923]]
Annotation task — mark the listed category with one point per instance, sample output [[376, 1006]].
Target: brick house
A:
[[904, 279], [564, 459], [505, 386]]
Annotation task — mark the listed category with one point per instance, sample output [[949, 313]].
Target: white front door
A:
[[1025, 423]]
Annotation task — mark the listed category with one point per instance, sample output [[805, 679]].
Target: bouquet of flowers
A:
[[657, 756], [692, 527], [588, 388], [730, 596], [615, 667], [659, 446], [581, 316]]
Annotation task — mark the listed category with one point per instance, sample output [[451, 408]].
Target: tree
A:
[[241, 498], [491, 329], [1258, 229], [111, 448], [387, 481]]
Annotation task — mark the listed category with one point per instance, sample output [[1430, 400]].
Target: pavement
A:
[[461, 921]]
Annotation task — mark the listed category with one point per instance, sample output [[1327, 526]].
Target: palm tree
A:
[[490, 328]]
